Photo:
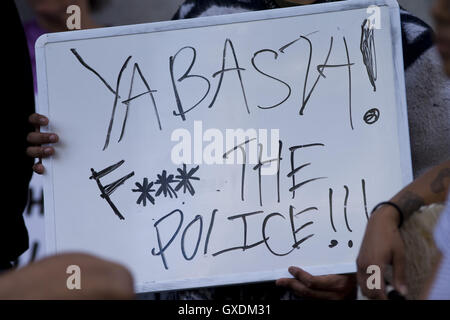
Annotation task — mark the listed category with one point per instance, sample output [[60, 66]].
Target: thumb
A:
[[399, 271]]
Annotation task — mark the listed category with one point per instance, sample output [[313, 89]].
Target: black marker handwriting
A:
[[261, 163], [185, 178], [349, 64], [306, 97], [367, 47], [144, 189], [115, 92], [297, 242], [295, 170], [165, 182], [106, 191], [371, 116], [130, 98], [272, 77], [84, 64], [333, 242], [363, 185], [244, 160], [245, 246], [266, 238], [162, 248], [345, 208], [187, 75], [183, 250], [208, 235], [237, 68]]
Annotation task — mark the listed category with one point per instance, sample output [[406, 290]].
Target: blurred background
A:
[[121, 12]]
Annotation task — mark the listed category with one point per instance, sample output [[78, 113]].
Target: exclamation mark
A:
[[333, 242], [350, 242], [363, 184]]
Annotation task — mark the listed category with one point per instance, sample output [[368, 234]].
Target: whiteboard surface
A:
[[79, 106]]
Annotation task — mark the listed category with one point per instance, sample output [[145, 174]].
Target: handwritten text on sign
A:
[[269, 150]]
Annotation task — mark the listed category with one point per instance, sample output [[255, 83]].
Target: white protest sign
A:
[[225, 149]]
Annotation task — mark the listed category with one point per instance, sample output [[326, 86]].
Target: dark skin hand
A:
[[328, 287], [37, 139], [382, 244]]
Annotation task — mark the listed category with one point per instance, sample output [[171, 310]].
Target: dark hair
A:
[[97, 5]]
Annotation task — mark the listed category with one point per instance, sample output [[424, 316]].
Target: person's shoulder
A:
[[201, 8], [417, 37]]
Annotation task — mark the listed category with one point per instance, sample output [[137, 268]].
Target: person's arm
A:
[[382, 244], [431, 187], [47, 279]]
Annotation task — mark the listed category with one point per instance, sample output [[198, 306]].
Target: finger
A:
[[362, 283], [303, 291], [40, 152], [42, 138], [301, 275], [371, 284], [327, 282], [371, 279], [399, 271], [362, 276], [38, 120], [39, 168]]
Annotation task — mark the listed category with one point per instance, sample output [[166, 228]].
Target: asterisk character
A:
[[145, 188], [164, 181], [185, 179]]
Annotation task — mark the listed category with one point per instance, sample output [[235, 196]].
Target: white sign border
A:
[[402, 116]]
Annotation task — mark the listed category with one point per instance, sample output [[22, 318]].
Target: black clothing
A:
[[17, 105]]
